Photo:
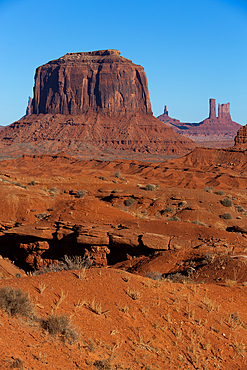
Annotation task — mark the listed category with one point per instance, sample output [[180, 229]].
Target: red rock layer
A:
[[138, 133], [101, 81], [241, 137]]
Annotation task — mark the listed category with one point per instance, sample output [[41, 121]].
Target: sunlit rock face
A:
[[101, 81]]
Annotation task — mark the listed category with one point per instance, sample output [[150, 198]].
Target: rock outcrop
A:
[[94, 100], [241, 137], [216, 131], [29, 105]]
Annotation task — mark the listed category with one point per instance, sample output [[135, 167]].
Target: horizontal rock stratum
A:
[[90, 102]]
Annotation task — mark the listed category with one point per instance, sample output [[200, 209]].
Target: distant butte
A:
[[213, 131], [92, 102]]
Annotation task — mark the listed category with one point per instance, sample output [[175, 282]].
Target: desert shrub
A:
[[155, 275], [31, 183], [226, 216], [76, 262], [198, 223], [240, 209], [102, 178], [118, 175], [15, 302], [209, 258], [17, 364], [103, 364], [230, 282], [59, 325], [80, 194], [41, 216], [177, 278], [208, 189], [219, 192], [67, 263], [128, 202], [226, 202], [166, 210], [174, 218], [150, 187], [134, 294], [53, 190]]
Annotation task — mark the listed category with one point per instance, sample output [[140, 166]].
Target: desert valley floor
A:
[[168, 243]]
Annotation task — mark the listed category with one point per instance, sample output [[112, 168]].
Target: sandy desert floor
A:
[[167, 289]]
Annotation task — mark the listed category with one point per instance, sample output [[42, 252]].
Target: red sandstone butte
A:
[[213, 131], [241, 138], [92, 101]]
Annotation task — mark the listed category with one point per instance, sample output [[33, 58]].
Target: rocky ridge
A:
[[213, 131]]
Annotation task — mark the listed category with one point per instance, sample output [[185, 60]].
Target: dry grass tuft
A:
[[15, 302], [230, 283], [134, 294], [59, 325]]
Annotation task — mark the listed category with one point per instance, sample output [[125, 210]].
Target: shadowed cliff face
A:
[[100, 81]]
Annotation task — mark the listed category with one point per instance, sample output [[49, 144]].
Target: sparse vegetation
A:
[[240, 209], [208, 189], [32, 183], [96, 308], [230, 282], [198, 223], [219, 192], [134, 294], [226, 216], [15, 302], [103, 364], [177, 278], [68, 263], [128, 202], [155, 275], [226, 202], [168, 209], [41, 288], [150, 187], [80, 194], [17, 364], [60, 325], [42, 216], [118, 175], [174, 218]]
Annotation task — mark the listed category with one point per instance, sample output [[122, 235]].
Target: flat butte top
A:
[[98, 56]]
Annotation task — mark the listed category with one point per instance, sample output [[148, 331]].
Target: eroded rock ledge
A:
[[38, 245]]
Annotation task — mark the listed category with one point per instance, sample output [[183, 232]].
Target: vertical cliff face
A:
[[212, 109], [241, 137], [100, 81], [224, 112]]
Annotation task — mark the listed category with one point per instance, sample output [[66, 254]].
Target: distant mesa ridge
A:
[[92, 102], [223, 110], [212, 129]]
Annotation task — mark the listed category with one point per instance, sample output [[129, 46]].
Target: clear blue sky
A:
[[191, 50]]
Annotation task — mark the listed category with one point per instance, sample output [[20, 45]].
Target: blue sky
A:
[[191, 50]]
